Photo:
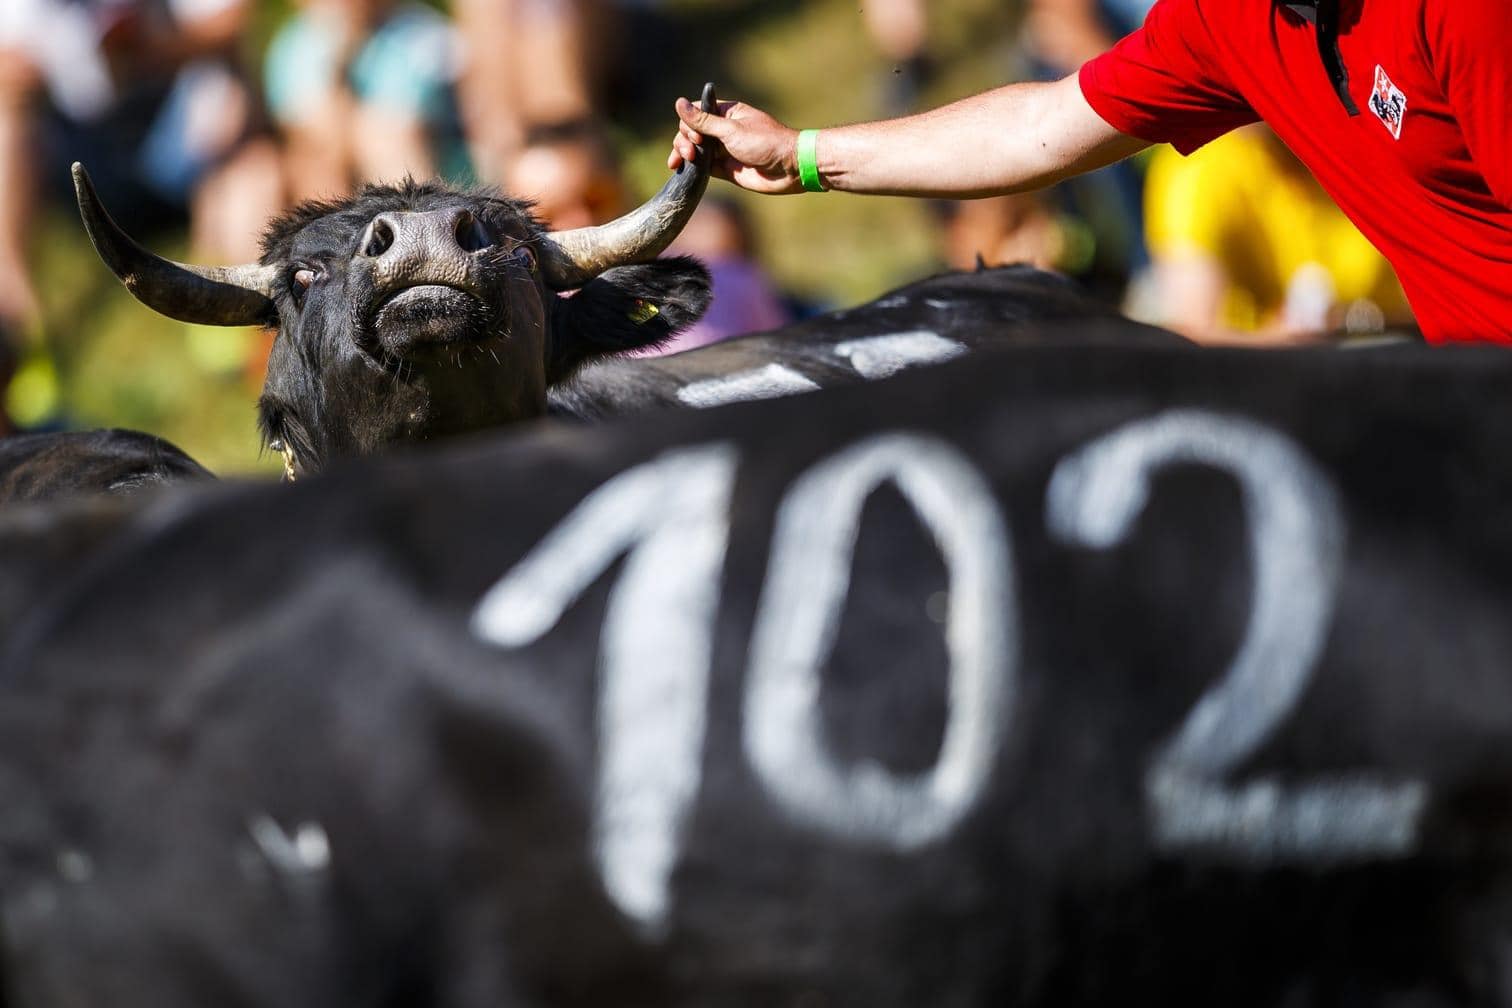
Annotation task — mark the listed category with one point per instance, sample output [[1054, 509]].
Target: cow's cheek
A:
[[365, 410], [527, 344], [527, 320]]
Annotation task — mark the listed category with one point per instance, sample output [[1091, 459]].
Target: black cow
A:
[[1052, 677], [414, 311], [42, 467], [926, 322]]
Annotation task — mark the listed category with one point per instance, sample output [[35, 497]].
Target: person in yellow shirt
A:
[[1248, 248]]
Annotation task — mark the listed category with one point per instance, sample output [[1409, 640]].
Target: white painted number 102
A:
[[671, 515]]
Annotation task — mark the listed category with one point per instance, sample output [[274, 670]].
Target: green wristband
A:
[[808, 161]]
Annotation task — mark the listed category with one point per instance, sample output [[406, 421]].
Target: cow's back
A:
[[926, 322], [40, 467]]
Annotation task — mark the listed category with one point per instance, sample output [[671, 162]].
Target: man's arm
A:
[[1012, 139]]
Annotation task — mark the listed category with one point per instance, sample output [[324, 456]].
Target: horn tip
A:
[[83, 185]]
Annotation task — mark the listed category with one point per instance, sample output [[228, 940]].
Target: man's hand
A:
[[758, 152]]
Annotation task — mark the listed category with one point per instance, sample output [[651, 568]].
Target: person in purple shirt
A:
[[744, 298]]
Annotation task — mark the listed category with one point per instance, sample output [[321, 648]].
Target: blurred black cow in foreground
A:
[[1044, 678]]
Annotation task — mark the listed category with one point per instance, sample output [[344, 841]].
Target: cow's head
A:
[[415, 311]]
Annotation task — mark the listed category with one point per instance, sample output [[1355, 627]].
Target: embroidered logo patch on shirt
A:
[[1388, 103]]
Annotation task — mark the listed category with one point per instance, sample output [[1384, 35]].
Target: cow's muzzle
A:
[[430, 273], [434, 247]]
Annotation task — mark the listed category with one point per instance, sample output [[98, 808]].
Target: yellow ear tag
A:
[[643, 312], [288, 461]]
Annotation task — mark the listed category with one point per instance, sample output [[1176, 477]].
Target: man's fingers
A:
[[698, 128], [722, 166], [684, 148]]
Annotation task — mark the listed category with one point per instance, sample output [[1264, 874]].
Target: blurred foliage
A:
[[809, 62]]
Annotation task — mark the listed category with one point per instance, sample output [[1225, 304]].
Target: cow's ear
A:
[[626, 308]]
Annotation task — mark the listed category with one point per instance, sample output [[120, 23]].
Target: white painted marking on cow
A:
[[881, 356], [798, 616], [306, 852], [673, 516], [770, 382], [1296, 537], [1328, 819]]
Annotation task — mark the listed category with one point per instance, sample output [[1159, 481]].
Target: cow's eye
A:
[[303, 277], [526, 256]]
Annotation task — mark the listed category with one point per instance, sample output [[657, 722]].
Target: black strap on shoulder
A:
[[1323, 15]]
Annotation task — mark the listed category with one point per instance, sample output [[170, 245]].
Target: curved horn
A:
[[205, 295], [572, 258]]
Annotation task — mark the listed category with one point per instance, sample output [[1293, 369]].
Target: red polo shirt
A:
[[1425, 167]]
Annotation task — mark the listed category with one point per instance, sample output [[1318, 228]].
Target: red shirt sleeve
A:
[[1468, 43], [1164, 83]]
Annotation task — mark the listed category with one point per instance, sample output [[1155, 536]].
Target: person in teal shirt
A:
[[364, 90]]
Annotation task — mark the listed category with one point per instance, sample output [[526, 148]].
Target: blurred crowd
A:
[[182, 124]]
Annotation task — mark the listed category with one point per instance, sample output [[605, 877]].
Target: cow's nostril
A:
[[378, 239], [471, 233]]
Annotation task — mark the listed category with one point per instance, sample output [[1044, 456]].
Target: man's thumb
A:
[[704, 122]]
